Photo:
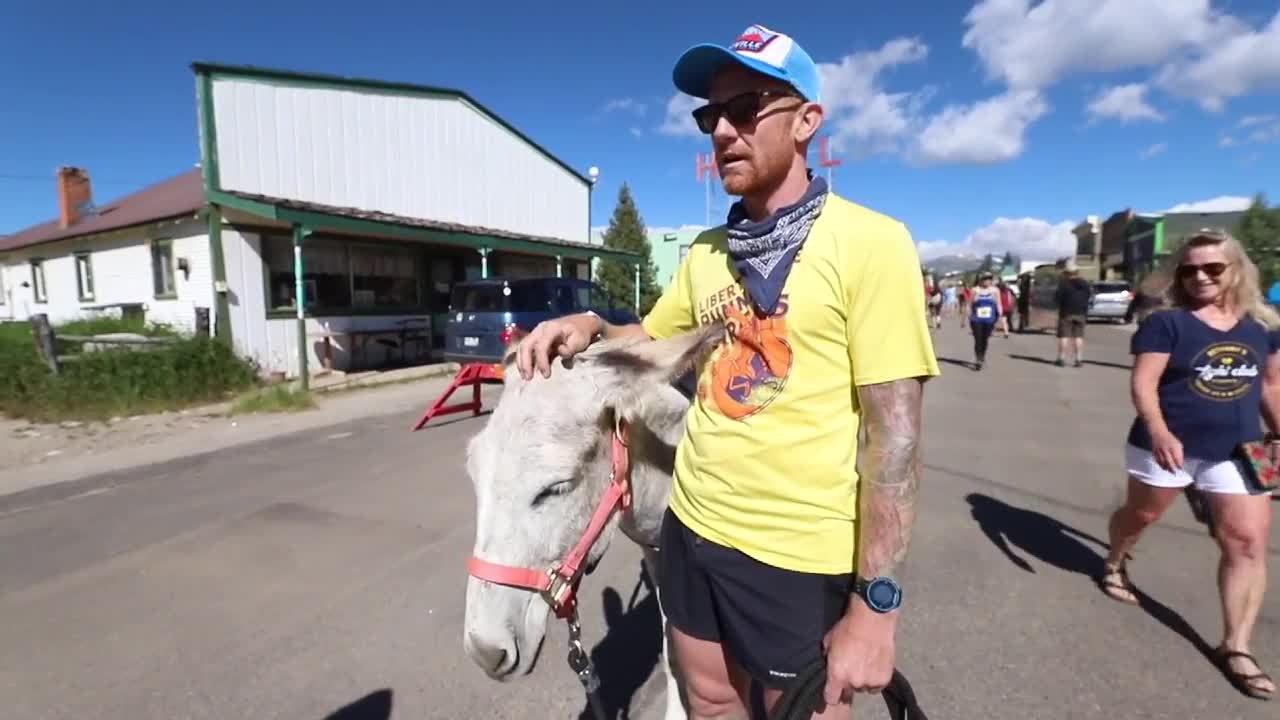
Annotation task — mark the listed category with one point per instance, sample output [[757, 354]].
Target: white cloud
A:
[[1252, 120], [1031, 239], [1154, 150], [625, 105], [1034, 46], [984, 133], [636, 132], [1125, 103], [864, 118], [1222, 203], [678, 122], [1244, 61]]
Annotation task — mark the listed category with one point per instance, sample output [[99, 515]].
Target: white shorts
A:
[[1208, 476]]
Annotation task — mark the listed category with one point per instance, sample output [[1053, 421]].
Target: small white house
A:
[[369, 199], [147, 253]]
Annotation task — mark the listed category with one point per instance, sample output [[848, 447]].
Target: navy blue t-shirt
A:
[[1211, 391]]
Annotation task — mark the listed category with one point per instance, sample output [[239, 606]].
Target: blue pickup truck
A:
[[483, 314]]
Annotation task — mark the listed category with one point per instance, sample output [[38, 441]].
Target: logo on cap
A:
[[754, 39]]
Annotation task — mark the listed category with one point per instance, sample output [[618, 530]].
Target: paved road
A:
[[319, 575]]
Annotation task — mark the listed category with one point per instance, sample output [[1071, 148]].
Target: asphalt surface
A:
[[319, 575]]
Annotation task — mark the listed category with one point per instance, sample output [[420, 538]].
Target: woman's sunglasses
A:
[[740, 109], [1213, 269]]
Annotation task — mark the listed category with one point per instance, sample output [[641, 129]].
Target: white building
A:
[[385, 193]]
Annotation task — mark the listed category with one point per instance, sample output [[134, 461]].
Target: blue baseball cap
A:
[[758, 48]]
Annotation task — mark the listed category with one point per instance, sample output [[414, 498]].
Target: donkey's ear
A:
[[665, 360]]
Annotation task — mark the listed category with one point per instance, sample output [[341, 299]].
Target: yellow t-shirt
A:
[[767, 461]]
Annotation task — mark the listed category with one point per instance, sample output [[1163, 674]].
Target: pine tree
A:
[[988, 263], [627, 232], [1259, 233], [1009, 260]]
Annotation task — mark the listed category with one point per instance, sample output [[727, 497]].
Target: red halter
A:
[[558, 584]]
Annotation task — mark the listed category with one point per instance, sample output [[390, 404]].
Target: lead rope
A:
[[803, 697], [581, 665]]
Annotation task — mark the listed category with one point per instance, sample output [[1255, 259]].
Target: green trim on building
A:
[[209, 71], [208, 133], [222, 318], [324, 221]]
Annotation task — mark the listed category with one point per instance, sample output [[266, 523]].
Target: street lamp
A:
[[594, 174]]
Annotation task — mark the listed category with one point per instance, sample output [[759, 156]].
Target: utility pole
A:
[[825, 160], [705, 171]]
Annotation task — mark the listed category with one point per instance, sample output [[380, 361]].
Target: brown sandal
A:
[[1243, 683], [1112, 589]]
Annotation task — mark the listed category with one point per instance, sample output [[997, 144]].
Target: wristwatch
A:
[[882, 594]]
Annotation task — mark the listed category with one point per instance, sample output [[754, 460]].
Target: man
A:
[[1073, 298], [827, 337]]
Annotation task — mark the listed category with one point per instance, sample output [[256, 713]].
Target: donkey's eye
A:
[[551, 491]]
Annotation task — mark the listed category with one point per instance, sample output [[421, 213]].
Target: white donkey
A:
[[540, 467]]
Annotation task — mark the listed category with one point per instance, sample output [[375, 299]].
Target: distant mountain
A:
[[944, 264]]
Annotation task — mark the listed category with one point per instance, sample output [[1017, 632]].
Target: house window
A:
[[2, 292], [684, 250], [38, 289], [84, 275], [162, 268]]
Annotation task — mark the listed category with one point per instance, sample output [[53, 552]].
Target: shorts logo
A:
[[753, 39], [1224, 371]]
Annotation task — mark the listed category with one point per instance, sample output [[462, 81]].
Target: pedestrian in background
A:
[[1072, 298], [1205, 371], [985, 304]]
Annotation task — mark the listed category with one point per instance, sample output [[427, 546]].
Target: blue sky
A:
[[982, 125]]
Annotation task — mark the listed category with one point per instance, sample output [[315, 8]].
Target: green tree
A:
[[1259, 233], [988, 263], [627, 232], [1009, 261]]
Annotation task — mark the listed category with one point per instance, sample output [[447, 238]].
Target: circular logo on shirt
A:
[[1224, 371], [751, 369]]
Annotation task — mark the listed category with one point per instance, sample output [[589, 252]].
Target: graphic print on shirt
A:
[[1224, 371], [751, 368]]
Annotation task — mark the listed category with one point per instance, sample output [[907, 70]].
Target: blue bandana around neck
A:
[[763, 251]]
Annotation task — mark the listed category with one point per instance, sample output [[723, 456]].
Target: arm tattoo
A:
[[890, 463]]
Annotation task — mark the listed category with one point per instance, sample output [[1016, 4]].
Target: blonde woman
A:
[[1205, 369]]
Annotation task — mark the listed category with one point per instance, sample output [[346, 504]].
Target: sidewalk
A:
[[34, 455]]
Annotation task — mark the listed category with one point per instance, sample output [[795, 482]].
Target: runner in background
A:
[[986, 312], [1006, 307], [935, 306]]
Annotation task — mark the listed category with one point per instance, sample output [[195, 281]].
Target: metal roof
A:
[[170, 198]]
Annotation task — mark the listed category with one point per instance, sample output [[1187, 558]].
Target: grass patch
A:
[[276, 398], [102, 384]]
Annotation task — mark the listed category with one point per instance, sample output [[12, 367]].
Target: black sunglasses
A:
[[1213, 269], [740, 109]]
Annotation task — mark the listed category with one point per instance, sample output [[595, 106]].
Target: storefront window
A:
[[384, 276], [326, 277]]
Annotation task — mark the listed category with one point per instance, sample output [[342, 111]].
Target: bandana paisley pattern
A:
[[763, 252]]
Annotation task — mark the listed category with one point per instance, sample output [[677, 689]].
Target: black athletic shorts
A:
[[770, 620]]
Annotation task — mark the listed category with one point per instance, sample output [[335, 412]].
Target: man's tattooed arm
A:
[[890, 465]]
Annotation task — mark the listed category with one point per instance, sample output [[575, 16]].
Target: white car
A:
[[1111, 300]]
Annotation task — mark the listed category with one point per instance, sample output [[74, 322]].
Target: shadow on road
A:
[[1050, 361], [630, 649], [374, 706], [953, 361], [1058, 544]]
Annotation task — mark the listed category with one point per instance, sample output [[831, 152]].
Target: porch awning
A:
[[318, 217]]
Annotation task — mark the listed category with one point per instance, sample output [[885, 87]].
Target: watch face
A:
[[882, 594]]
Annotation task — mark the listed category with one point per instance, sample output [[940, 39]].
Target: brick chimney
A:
[[74, 195]]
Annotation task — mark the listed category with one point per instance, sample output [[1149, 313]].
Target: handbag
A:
[[1260, 466]]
